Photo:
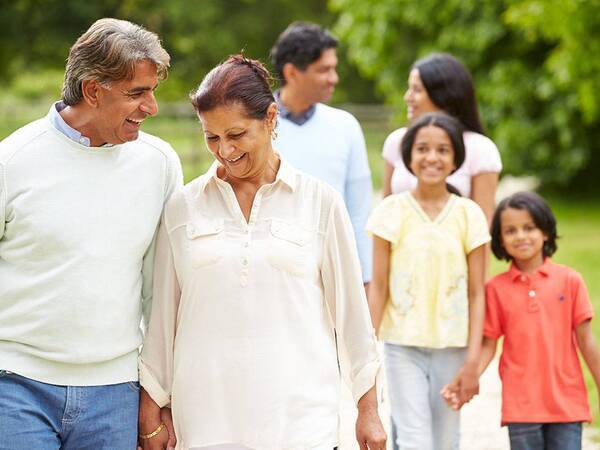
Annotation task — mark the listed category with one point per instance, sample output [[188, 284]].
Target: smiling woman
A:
[[255, 269]]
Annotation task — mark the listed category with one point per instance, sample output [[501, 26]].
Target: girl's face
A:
[[416, 97], [432, 155], [521, 238], [240, 143]]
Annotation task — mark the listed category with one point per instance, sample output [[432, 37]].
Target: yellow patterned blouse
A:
[[428, 285]]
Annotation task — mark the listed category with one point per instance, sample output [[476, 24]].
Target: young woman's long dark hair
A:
[[450, 88]]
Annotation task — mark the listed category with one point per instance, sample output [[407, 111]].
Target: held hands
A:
[[462, 388], [165, 439]]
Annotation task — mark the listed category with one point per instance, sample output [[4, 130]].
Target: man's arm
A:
[[358, 193]]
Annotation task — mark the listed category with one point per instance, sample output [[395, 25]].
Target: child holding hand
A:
[[543, 311], [426, 297]]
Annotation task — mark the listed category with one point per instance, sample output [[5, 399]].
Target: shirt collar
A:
[[298, 119], [544, 269], [59, 123], [286, 174]]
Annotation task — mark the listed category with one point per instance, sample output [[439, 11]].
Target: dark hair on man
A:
[[453, 129], [539, 211], [301, 44], [236, 80], [450, 88]]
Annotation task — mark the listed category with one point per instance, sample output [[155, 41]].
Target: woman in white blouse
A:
[[256, 276], [439, 82]]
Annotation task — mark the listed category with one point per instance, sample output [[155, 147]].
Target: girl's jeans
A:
[[415, 378]]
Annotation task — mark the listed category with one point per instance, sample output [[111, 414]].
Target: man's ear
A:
[[289, 72], [90, 90]]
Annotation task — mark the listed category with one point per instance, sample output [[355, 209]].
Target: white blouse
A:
[[241, 339]]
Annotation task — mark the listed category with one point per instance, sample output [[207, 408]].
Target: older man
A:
[[322, 141], [81, 195]]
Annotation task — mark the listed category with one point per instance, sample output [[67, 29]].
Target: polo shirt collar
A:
[[286, 174], [298, 119], [544, 269]]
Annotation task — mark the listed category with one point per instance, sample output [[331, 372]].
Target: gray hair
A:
[[108, 51]]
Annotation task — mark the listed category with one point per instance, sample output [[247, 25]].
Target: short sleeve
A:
[[483, 154], [384, 221], [477, 227], [3, 196], [492, 327], [582, 307], [391, 146]]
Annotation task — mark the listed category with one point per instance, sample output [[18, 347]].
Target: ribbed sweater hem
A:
[[114, 371]]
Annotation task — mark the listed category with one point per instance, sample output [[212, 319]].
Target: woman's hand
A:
[[369, 429], [150, 418]]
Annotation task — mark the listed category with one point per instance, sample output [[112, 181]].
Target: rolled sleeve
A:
[[345, 296], [156, 359]]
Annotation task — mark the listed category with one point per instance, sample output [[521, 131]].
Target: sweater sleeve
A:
[[358, 192], [347, 304], [173, 180]]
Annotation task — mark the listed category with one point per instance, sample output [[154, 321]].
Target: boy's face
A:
[[521, 238]]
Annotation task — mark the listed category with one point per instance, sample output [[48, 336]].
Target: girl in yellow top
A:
[[426, 298]]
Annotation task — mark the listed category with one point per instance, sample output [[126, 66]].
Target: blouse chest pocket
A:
[[205, 241], [289, 248]]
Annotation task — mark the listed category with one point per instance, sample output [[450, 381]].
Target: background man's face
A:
[[125, 104], [317, 82]]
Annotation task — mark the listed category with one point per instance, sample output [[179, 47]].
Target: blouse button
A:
[[532, 293]]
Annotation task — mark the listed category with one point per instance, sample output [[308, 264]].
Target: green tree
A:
[[535, 63]]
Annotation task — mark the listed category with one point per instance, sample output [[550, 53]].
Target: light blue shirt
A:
[[330, 146], [59, 123]]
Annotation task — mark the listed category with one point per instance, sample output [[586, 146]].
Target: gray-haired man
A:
[[81, 195]]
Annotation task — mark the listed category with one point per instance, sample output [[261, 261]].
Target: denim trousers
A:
[[40, 416], [415, 377], [546, 436]]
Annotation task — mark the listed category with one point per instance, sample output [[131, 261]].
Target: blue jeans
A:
[[42, 416], [545, 436], [415, 377]]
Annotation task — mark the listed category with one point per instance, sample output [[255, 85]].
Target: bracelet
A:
[[154, 433]]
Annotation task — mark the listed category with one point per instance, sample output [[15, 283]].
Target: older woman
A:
[[256, 274], [440, 82]]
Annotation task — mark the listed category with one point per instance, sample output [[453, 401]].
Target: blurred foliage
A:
[[535, 63], [36, 36]]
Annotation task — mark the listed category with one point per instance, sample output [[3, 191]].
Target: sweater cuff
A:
[[153, 387]]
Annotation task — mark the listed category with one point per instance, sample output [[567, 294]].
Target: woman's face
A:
[[240, 143], [416, 97], [432, 155]]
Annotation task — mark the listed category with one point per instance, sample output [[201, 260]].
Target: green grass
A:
[[578, 220]]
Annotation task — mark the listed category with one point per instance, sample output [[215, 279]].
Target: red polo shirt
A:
[[537, 314]]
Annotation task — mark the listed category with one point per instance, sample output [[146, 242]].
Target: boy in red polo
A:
[[543, 311]]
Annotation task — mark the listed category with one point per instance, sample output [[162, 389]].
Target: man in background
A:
[[322, 141]]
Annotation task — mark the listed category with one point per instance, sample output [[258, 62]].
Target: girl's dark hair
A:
[[236, 80], [540, 213], [450, 87], [450, 125]]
